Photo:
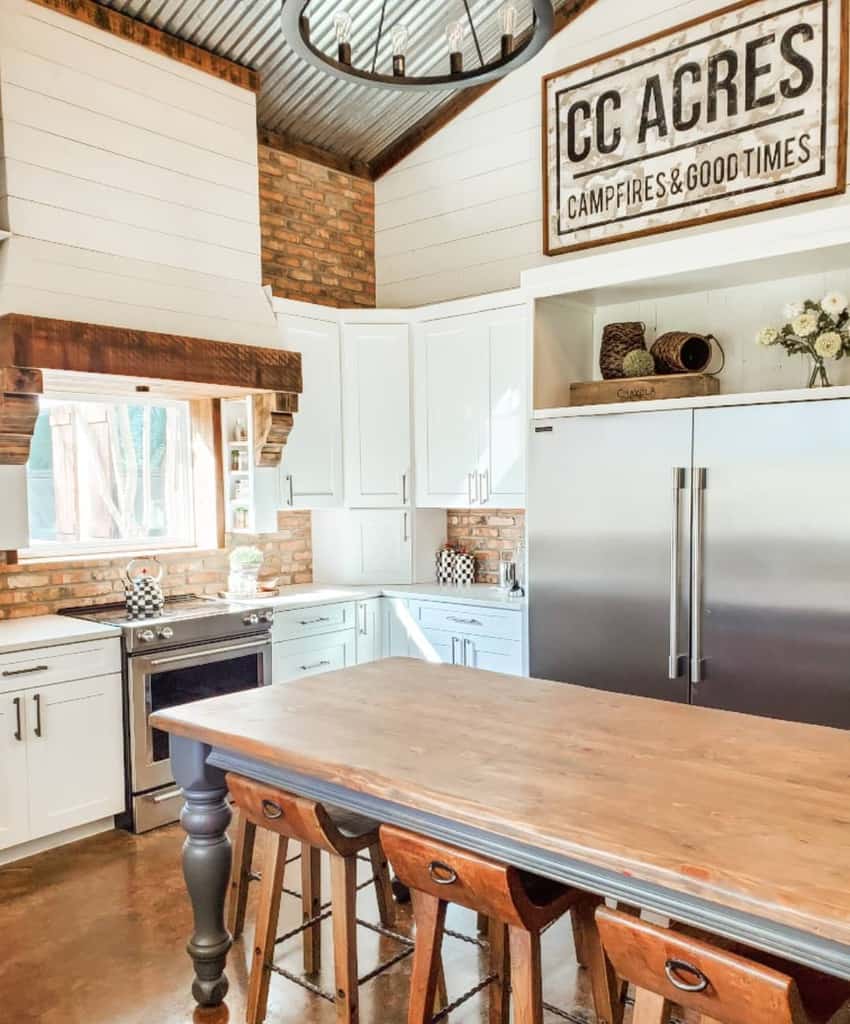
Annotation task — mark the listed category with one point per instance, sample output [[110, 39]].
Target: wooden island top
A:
[[729, 821]]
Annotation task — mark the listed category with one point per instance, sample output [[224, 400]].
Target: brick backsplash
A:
[[486, 534], [318, 231], [40, 588]]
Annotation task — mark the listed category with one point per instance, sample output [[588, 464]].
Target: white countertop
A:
[[48, 631], [303, 595]]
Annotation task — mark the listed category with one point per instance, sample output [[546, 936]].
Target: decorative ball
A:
[[638, 363]]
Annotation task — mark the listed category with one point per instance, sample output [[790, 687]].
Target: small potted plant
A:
[[819, 330], [245, 563]]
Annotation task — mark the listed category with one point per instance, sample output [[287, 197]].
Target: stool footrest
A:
[[470, 992]]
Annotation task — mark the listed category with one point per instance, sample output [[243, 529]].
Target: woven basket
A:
[[617, 341], [682, 352]]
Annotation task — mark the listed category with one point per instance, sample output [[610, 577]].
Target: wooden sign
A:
[[742, 110], [643, 389]]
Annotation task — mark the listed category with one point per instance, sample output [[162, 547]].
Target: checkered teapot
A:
[[142, 588]]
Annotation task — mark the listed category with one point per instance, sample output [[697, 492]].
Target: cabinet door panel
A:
[[397, 628], [452, 396], [376, 376], [508, 420], [384, 546], [76, 765], [441, 648], [312, 460], [369, 623], [311, 656], [493, 655], [14, 807]]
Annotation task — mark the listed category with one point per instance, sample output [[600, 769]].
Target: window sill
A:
[[30, 557]]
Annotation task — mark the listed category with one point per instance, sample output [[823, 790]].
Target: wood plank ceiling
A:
[[303, 105]]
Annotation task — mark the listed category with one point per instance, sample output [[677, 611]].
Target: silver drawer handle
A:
[[465, 622], [310, 622], [674, 969], [318, 664], [24, 671], [161, 798], [441, 873]]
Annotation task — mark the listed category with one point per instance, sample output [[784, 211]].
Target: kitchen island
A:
[[729, 822]]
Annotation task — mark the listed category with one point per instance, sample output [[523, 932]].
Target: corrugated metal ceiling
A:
[[349, 119]]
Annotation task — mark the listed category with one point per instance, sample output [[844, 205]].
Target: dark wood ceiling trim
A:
[[423, 130], [154, 39], [315, 154]]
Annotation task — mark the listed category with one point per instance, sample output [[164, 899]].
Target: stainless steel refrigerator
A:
[[696, 555]]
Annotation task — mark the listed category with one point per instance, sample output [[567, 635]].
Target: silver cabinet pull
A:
[[8, 673], [291, 499], [675, 544], [469, 478], [37, 730], [464, 622], [311, 622], [19, 735], [364, 630], [454, 650], [406, 533], [468, 647], [317, 664], [404, 488], [698, 497], [484, 485]]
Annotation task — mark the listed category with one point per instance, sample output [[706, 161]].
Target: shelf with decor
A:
[[252, 497]]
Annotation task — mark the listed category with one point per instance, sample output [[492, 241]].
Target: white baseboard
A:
[[70, 835]]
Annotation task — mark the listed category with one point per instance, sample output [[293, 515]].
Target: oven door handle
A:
[[206, 652]]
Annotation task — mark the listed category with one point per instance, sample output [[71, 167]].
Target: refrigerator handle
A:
[[699, 483], [675, 562]]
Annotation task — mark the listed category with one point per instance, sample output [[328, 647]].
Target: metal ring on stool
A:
[[272, 810], [673, 968], [448, 876]]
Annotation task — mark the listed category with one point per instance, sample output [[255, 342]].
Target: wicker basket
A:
[[617, 341], [682, 352]]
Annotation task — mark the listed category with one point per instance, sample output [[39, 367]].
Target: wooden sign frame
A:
[[836, 158]]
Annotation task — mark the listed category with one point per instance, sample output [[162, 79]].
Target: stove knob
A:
[[267, 616], [146, 636], [252, 619], [166, 633]]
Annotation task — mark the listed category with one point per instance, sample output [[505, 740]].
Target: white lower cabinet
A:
[[310, 656], [472, 635], [61, 740], [369, 630], [398, 641]]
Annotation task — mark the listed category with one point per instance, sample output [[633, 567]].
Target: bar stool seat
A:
[[518, 906], [724, 983]]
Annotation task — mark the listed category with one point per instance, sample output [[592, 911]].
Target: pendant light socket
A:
[[507, 46], [344, 53], [398, 65], [456, 62]]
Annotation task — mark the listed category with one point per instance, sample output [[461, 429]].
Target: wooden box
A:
[[643, 389]]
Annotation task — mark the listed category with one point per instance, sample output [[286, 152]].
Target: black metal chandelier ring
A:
[[296, 28]]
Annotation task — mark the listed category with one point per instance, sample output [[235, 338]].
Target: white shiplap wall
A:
[[131, 181], [463, 213]]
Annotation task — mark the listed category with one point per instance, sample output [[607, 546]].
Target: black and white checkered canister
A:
[[464, 568]]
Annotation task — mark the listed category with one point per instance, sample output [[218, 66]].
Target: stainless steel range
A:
[[198, 647]]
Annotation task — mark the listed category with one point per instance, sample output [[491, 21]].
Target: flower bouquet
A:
[[819, 330]]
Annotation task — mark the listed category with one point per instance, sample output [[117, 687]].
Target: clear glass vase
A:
[[818, 378]]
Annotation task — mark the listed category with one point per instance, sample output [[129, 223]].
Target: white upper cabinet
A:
[[470, 386], [311, 468], [376, 411]]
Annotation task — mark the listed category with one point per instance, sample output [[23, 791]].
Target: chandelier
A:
[[515, 48]]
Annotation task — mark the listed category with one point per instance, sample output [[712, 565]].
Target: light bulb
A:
[[400, 39], [342, 27], [454, 37], [508, 21]]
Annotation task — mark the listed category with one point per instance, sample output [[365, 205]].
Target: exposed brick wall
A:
[[318, 231], [486, 534], [40, 588]]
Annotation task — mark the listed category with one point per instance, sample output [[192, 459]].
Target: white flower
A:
[[805, 324], [793, 310], [767, 336], [834, 303], [828, 345]]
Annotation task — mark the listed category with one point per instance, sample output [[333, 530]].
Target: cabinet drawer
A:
[[310, 656], [493, 654], [300, 622], [42, 666], [471, 620]]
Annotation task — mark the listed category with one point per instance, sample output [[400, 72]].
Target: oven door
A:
[[169, 678]]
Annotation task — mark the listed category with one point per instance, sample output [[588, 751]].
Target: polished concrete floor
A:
[[94, 933]]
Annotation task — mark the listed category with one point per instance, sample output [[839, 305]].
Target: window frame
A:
[[49, 552]]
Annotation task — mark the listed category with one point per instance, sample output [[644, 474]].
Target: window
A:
[[110, 475]]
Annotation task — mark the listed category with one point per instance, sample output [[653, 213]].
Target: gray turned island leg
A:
[[206, 864]]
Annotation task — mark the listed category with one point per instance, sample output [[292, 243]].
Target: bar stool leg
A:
[[650, 1008], [383, 886], [240, 875], [430, 916], [271, 885], [526, 976], [603, 981], [482, 924], [500, 965], [578, 937], [344, 904], [311, 905]]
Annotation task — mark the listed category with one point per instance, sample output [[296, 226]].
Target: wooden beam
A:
[[19, 391], [325, 157], [121, 25], [272, 426], [429, 125]]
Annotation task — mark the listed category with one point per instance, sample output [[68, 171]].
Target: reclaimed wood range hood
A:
[[30, 345]]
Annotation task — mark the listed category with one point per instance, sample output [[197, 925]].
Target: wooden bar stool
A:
[[518, 906], [340, 834], [737, 986]]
